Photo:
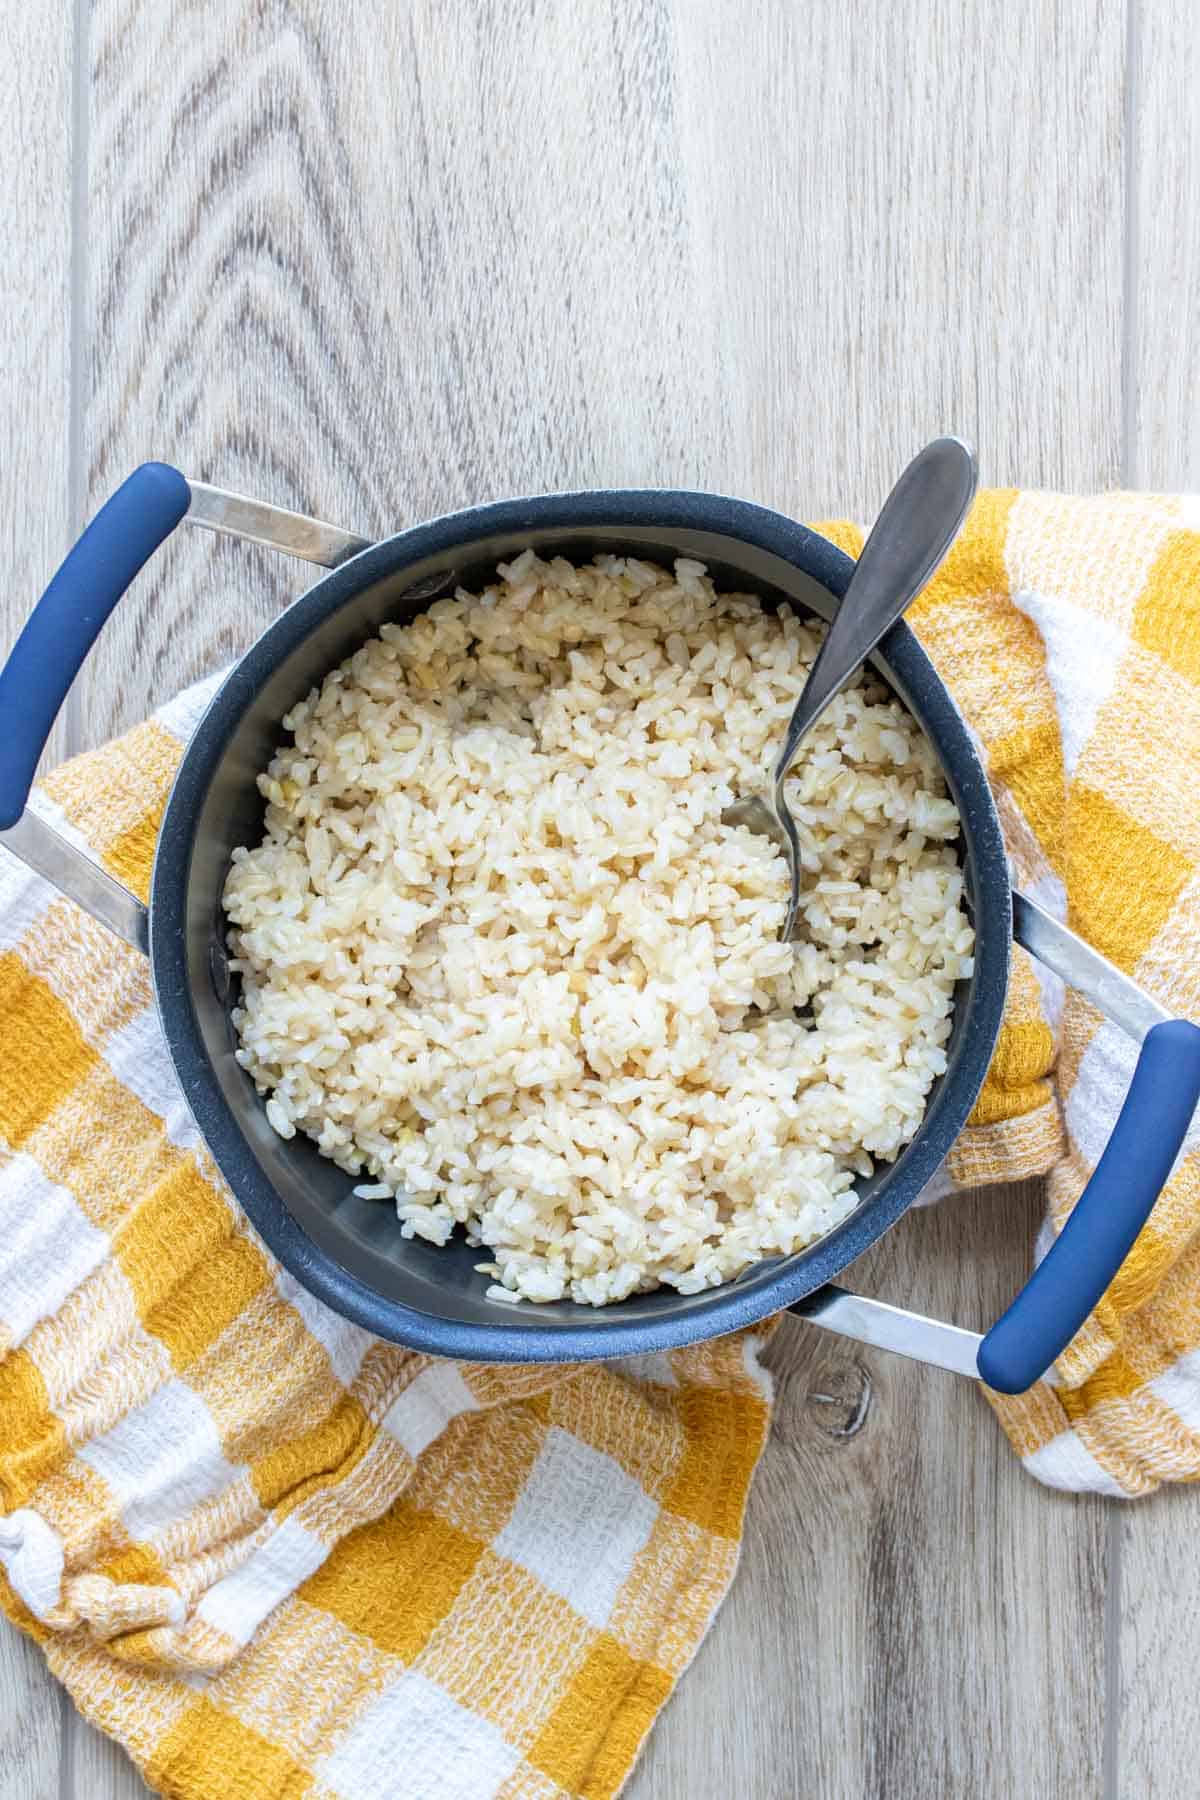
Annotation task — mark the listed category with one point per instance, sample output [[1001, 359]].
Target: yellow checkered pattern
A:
[[269, 1553], [1069, 633]]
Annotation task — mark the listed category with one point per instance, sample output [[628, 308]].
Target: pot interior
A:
[[350, 1250]]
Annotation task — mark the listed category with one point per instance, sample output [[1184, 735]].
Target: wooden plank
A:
[[1163, 257], [35, 429], [902, 240], [391, 279], [98, 1769], [1158, 1706], [35, 319], [32, 1719], [410, 274], [1158, 1720]]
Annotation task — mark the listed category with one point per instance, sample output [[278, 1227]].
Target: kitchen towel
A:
[[272, 1555], [267, 1552], [1069, 633]]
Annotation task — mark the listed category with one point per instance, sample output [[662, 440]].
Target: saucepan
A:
[[350, 1251]]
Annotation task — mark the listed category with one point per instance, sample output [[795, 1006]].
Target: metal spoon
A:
[[921, 518]]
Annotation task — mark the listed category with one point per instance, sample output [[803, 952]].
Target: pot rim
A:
[[767, 1287]]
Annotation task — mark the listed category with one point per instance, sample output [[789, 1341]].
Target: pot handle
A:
[[68, 618], [1086, 1255], [1150, 1132]]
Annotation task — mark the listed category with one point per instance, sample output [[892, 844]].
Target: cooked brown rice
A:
[[500, 956]]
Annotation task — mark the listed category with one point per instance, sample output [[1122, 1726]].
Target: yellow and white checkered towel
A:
[[273, 1555], [269, 1553], [1069, 633]]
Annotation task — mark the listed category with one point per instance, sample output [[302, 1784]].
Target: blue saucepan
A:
[[350, 1252]]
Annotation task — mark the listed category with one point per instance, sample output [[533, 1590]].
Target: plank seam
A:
[[1130, 458], [66, 1746], [1110, 1753], [77, 397]]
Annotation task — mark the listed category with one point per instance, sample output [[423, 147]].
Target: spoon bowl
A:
[[919, 521]]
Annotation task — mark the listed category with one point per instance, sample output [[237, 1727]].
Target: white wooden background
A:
[[380, 261]]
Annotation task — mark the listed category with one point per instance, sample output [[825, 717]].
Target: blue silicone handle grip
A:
[[1110, 1212], [67, 619]]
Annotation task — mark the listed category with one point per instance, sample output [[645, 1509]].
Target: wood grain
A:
[[1158, 1703], [95, 1768], [35, 318], [1163, 251], [1156, 1693], [903, 238], [34, 1718], [451, 251], [35, 429], [403, 272]]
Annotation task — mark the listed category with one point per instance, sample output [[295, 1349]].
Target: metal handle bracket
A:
[[49, 854], [100, 575], [886, 1327], [258, 522]]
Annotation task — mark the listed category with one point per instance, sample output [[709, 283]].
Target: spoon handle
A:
[[919, 522]]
